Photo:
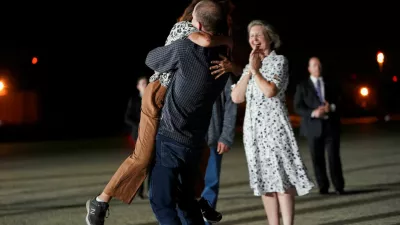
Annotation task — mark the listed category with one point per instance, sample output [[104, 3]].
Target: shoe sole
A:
[[209, 221], [87, 214]]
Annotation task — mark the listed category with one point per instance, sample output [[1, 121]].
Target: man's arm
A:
[[229, 123], [166, 58], [299, 106]]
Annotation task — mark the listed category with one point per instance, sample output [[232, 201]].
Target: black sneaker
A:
[[209, 214], [96, 212]]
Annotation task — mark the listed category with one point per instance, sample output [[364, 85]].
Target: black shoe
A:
[[96, 212], [209, 214], [323, 192], [340, 192]]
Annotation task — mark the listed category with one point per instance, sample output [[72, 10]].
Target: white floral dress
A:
[[271, 149], [180, 30]]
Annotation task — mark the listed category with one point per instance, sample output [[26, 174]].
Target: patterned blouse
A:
[[180, 30]]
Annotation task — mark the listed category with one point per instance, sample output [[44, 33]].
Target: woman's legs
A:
[[286, 203], [104, 197], [271, 206], [133, 171]]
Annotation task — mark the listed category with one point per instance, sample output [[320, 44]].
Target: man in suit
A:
[[185, 119], [316, 102], [132, 117]]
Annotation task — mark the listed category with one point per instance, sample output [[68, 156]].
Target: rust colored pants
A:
[[133, 171]]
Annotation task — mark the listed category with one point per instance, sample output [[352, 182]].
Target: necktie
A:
[[319, 91]]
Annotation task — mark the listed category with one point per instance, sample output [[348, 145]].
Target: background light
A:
[[364, 91], [3, 90], [34, 60], [380, 58]]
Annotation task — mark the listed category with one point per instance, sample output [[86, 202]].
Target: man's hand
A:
[[327, 107], [319, 112], [222, 148]]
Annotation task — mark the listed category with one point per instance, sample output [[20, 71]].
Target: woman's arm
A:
[[267, 87], [238, 94], [271, 88], [205, 40], [239, 91]]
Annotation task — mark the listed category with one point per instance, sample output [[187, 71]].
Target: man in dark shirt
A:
[[185, 119]]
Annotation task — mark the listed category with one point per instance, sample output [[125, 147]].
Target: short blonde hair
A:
[[269, 32]]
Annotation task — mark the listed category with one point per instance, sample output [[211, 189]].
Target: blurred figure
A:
[[221, 134], [315, 101], [276, 169], [132, 117]]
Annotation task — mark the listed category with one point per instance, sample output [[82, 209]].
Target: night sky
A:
[[90, 55]]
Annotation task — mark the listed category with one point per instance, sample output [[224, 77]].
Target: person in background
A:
[[220, 137], [132, 117], [316, 102]]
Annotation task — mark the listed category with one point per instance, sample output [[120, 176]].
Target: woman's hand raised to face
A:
[[219, 68], [255, 60]]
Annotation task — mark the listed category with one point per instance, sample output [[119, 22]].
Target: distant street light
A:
[[34, 60], [2, 88], [380, 58], [364, 91]]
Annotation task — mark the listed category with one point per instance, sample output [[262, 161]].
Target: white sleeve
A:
[[281, 72], [180, 30], [245, 73]]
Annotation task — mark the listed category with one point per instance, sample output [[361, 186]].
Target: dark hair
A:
[[142, 78], [226, 6], [187, 14]]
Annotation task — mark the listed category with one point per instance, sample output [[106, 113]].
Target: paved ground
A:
[[48, 183]]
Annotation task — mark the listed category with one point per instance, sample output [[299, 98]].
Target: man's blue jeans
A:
[[213, 172], [172, 183]]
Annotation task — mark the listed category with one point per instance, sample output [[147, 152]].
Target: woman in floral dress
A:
[[276, 169]]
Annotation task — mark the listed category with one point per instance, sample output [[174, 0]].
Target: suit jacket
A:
[[306, 100], [223, 120], [132, 115]]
